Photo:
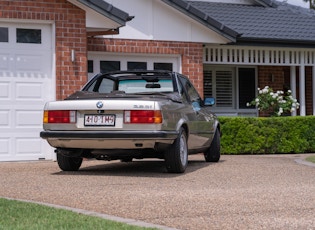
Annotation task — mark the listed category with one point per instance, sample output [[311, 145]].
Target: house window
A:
[[28, 36], [108, 66], [4, 34], [105, 62], [90, 66], [218, 83], [163, 66], [136, 65], [232, 87]]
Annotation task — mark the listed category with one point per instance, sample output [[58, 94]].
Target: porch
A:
[[232, 74]]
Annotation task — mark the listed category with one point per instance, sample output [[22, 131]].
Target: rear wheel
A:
[[69, 163], [176, 157], [213, 153], [126, 159]]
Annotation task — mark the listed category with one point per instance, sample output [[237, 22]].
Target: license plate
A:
[[99, 120]]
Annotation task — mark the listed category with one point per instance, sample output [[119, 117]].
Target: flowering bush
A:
[[275, 102]]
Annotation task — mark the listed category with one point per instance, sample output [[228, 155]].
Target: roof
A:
[[108, 10], [202, 17], [266, 21]]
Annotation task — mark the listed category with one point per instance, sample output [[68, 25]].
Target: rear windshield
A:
[[106, 85]]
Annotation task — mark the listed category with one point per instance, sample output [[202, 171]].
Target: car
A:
[[126, 115]]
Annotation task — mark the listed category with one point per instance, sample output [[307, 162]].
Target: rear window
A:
[[132, 82]]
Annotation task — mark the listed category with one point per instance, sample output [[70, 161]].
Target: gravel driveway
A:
[[239, 192]]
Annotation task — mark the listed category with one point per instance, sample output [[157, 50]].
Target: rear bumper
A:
[[109, 134], [108, 139]]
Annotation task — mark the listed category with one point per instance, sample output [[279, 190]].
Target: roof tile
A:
[[282, 21]]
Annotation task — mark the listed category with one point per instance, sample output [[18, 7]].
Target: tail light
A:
[[59, 116], [143, 116]]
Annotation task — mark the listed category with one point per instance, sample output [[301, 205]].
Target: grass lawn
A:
[[17, 215], [311, 159]]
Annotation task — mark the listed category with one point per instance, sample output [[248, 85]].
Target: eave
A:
[[102, 18], [203, 18]]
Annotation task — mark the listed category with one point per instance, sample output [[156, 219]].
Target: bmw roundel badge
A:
[[99, 104]]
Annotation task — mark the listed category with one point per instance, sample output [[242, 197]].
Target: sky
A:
[[298, 3]]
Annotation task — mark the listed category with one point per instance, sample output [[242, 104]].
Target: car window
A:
[[103, 85], [91, 87], [189, 89], [140, 85], [106, 86], [182, 92]]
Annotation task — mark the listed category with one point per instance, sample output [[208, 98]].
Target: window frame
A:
[[235, 109]]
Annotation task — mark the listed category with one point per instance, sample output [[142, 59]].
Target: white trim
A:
[[302, 88], [26, 21], [293, 84], [240, 55], [54, 83], [53, 64]]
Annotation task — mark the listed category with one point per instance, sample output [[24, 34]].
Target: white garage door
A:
[[26, 83]]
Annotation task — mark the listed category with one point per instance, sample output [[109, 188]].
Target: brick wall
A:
[[272, 76], [70, 34], [191, 53]]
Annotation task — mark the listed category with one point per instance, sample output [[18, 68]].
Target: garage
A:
[[27, 81]]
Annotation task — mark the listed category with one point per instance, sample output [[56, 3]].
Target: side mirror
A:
[[209, 101]]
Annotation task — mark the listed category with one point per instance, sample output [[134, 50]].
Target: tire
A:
[[69, 163], [176, 157], [213, 153], [126, 159]]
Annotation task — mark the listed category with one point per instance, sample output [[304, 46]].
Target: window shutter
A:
[[224, 89], [207, 83]]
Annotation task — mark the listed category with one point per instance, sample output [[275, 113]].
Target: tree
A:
[[312, 3]]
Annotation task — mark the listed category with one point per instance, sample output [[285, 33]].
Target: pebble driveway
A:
[[239, 192]]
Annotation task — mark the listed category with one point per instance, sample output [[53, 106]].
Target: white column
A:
[[313, 88], [293, 84], [302, 86]]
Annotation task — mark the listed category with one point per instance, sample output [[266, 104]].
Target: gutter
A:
[[274, 42], [108, 10]]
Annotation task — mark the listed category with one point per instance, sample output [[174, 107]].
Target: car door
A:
[[200, 121]]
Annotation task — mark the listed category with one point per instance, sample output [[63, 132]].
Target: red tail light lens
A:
[[143, 116], [60, 116]]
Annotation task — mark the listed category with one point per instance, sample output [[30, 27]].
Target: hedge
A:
[[244, 135]]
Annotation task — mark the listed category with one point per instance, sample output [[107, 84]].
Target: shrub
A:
[[277, 103], [241, 135]]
